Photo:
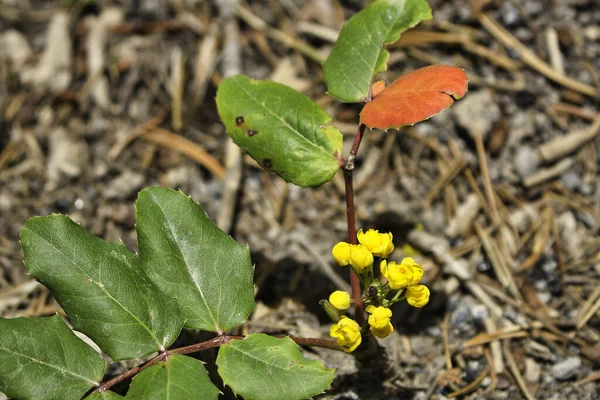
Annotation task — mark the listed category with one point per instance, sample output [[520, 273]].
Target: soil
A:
[[498, 198]]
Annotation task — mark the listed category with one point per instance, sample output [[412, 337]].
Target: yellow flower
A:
[[407, 274], [341, 253], [360, 257], [340, 299], [380, 316], [347, 334], [380, 244], [383, 332], [417, 296]]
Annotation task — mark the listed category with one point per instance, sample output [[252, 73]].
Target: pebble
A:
[[533, 370], [124, 185], [510, 15], [526, 161], [477, 112], [567, 368], [479, 312], [421, 345], [571, 180]]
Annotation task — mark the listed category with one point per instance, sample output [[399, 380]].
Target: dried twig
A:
[[531, 59], [514, 369], [186, 147]]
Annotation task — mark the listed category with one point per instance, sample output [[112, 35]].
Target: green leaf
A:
[[282, 129], [263, 367], [207, 272], [358, 53], [178, 378], [43, 359], [101, 287], [104, 396]]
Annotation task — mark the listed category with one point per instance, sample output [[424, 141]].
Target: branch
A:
[[350, 212], [209, 344]]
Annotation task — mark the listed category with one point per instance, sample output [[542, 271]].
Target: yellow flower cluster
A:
[[407, 275], [403, 277]]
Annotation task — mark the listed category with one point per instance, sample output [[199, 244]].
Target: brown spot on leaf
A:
[[239, 121], [267, 163], [252, 132]]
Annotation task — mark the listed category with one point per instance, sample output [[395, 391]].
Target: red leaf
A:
[[416, 96]]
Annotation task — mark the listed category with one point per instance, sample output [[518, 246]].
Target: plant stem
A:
[[350, 212], [209, 344]]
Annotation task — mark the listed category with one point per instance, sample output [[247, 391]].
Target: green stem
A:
[[396, 297]]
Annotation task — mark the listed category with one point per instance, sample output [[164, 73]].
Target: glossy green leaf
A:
[[263, 367], [104, 396], [207, 272], [358, 53], [282, 129], [101, 287], [42, 358], [178, 378]]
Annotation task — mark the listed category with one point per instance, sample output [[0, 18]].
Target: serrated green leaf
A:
[[207, 272], [101, 287], [43, 359], [358, 54], [104, 396], [262, 367], [282, 129], [178, 378]]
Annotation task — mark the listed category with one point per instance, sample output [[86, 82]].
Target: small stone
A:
[[479, 312], [421, 345], [511, 16], [567, 368], [526, 162], [571, 180], [533, 370], [477, 112], [124, 185]]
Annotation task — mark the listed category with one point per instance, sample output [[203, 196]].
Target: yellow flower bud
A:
[[417, 296], [346, 333], [380, 316], [340, 299], [383, 332], [407, 274], [360, 257], [341, 253], [380, 244]]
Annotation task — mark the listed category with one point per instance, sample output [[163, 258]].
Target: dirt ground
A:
[[498, 198]]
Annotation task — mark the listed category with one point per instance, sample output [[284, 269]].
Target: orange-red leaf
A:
[[416, 96]]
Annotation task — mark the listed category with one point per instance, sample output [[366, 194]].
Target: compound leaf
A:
[[101, 287], [207, 272], [178, 378], [282, 129], [358, 54], [43, 359], [264, 367], [415, 96]]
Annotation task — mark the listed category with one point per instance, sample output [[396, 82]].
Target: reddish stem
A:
[[214, 342], [350, 212]]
